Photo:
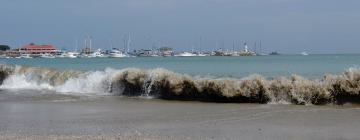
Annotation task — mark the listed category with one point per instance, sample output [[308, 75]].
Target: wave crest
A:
[[166, 84]]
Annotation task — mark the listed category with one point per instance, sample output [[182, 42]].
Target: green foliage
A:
[[165, 49], [4, 47]]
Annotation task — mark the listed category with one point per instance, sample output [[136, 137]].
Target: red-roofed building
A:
[[38, 49]]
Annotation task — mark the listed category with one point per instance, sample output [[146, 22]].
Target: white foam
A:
[[97, 82], [90, 83], [20, 81]]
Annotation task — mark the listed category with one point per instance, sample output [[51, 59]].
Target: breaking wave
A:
[[165, 84]]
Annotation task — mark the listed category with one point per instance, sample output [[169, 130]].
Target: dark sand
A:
[[49, 116]]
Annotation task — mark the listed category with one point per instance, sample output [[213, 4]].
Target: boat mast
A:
[[76, 45], [85, 42], [255, 47], [240, 47], [124, 41], [233, 49], [260, 47], [111, 44], [217, 44], [128, 44], [192, 48], [90, 43], [200, 49]]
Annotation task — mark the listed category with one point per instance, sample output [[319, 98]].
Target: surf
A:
[[165, 84]]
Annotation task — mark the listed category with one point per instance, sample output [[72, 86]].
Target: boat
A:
[[185, 54], [201, 54], [4, 56], [304, 53], [97, 53], [47, 55], [25, 56], [274, 53], [115, 53], [60, 55], [262, 54], [155, 55], [72, 54]]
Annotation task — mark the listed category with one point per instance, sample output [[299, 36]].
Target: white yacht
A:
[[304, 53], [25, 56], [4, 56], [97, 53], [72, 54], [185, 54], [262, 54], [47, 55], [202, 54], [115, 53]]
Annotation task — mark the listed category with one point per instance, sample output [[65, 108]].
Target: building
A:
[[38, 49]]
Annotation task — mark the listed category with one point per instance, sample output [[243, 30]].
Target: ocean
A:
[[254, 97], [272, 65]]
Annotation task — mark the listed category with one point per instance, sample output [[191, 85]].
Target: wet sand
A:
[[51, 116]]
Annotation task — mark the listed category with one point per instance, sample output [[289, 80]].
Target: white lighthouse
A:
[[246, 48]]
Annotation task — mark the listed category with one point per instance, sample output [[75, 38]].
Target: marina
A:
[[49, 51]]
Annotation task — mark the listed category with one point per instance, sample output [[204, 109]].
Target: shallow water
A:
[[54, 116]]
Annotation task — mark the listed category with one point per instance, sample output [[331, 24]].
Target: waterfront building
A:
[[34, 49]]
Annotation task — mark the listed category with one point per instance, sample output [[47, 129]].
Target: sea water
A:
[[313, 79], [272, 65]]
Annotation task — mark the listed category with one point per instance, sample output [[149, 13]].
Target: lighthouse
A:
[[246, 47]]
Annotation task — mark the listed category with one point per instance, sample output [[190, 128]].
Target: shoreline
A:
[[134, 118]]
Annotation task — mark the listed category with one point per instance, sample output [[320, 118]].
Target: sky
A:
[[286, 26]]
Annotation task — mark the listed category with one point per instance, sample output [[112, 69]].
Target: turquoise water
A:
[[310, 66]]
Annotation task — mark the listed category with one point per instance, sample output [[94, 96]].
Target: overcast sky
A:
[[289, 26]]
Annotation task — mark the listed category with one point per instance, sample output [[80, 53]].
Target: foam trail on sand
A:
[[165, 84]]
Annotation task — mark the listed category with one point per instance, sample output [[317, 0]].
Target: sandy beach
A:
[[53, 116]]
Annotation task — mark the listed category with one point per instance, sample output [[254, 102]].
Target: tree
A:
[[4, 47], [165, 49]]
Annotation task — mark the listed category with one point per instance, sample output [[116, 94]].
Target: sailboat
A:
[[187, 54], [116, 53], [127, 47], [304, 53], [260, 52], [200, 53], [73, 54], [97, 53]]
